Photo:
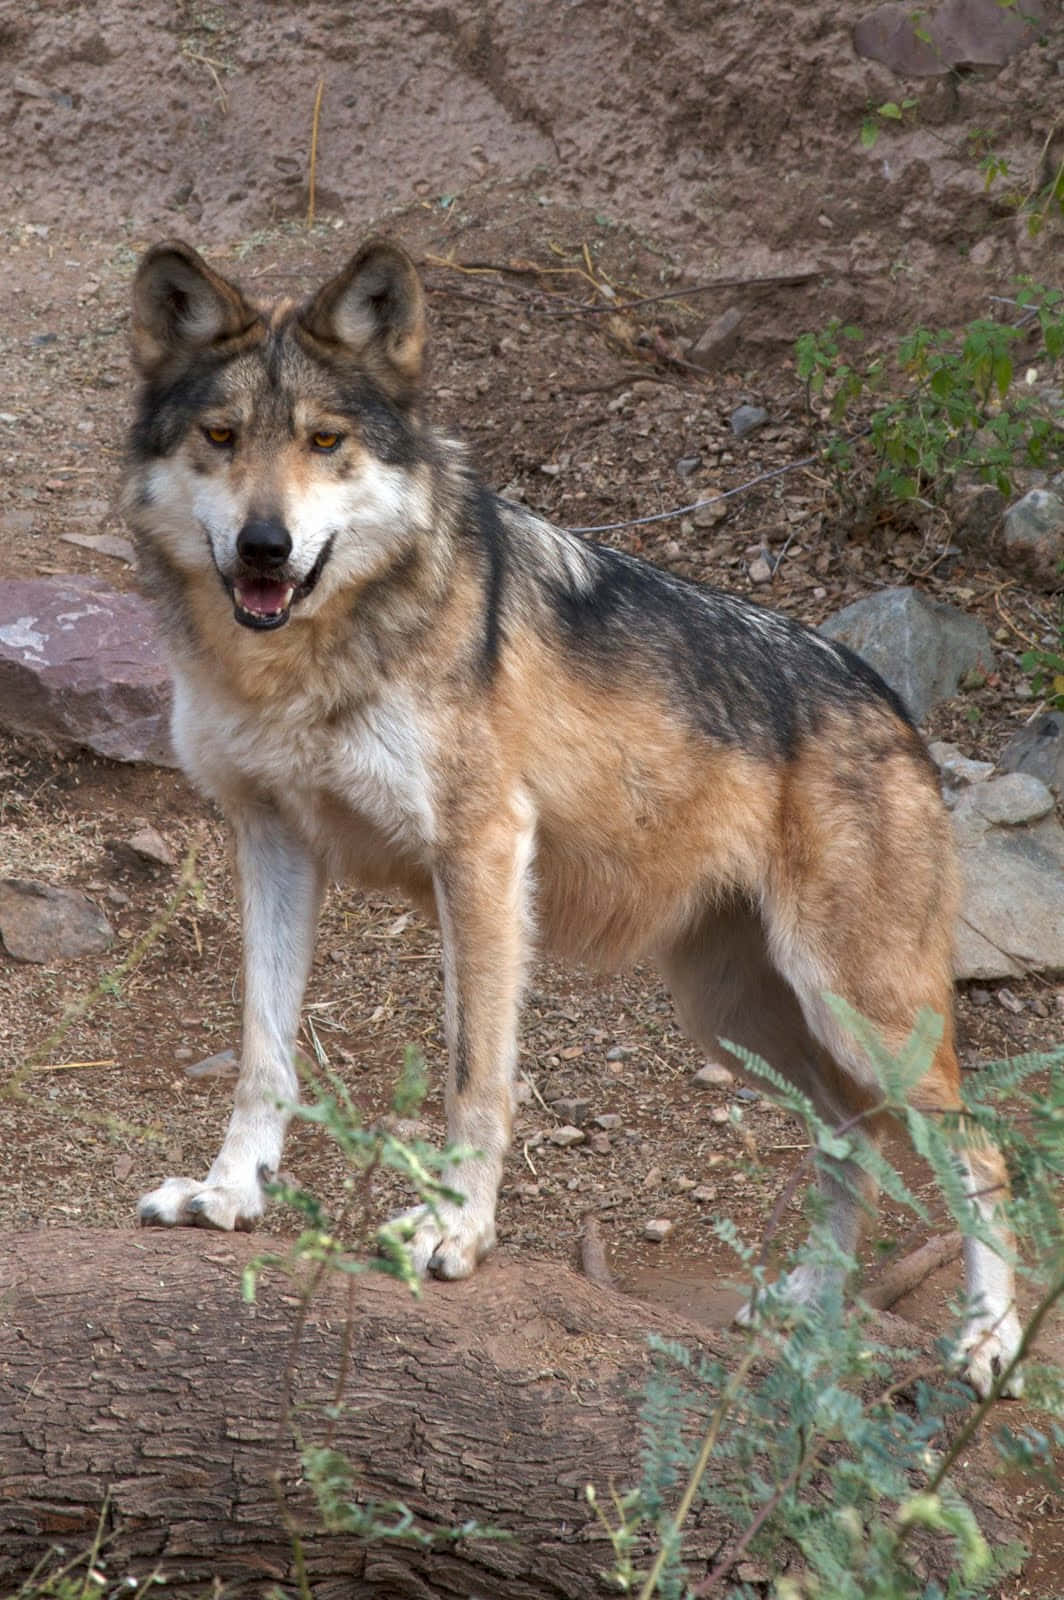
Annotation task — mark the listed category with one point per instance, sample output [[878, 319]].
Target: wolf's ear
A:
[[374, 313], [180, 305]]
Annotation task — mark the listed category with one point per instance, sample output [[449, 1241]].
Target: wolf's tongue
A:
[[263, 598]]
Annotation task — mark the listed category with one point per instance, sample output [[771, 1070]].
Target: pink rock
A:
[[82, 664]]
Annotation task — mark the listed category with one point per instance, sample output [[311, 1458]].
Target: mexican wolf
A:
[[385, 672]]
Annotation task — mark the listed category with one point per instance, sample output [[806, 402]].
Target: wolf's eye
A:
[[325, 441], [219, 436]]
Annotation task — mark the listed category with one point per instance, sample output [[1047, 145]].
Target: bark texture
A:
[[131, 1371], [130, 1366]]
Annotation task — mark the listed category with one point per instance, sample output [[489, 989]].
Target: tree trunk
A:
[[129, 1366], [131, 1371]]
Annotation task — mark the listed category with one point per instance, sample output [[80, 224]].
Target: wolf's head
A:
[[277, 443]]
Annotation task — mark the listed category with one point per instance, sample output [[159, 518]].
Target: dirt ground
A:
[[547, 178]]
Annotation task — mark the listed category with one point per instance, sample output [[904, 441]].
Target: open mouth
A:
[[261, 602]]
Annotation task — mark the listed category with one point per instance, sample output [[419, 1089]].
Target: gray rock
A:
[[149, 845], [571, 1110], [716, 341], [921, 647], [1039, 750], [222, 1065], [1032, 538], [968, 33], [81, 664], [976, 510], [657, 1229], [104, 544], [564, 1137], [958, 771], [1015, 798], [41, 923], [714, 1076], [747, 419], [1012, 916], [760, 571]]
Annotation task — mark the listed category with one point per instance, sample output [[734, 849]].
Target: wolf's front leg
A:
[[280, 890], [482, 896]]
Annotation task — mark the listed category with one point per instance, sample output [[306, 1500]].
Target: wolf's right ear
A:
[[180, 305], [373, 312]]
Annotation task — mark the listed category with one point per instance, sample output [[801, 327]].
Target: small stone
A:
[[709, 515], [653, 1178], [151, 846], [527, 1191], [1010, 1002], [534, 1140], [41, 923], [1012, 799], [717, 340], [980, 996], [704, 1193], [608, 1120], [747, 1094], [747, 419], [222, 1065], [571, 1110], [564, 1137], [760, 571], [1032, 538], [958, 770], [657, 1229], [123, 1167], [688, 465], [683, 1185], [719, 1115], [599, 1144], [620, 1052], [714, 1076]]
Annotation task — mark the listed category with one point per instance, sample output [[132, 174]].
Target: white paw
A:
[[988, 1346], [450, 1243], [182, 1202]]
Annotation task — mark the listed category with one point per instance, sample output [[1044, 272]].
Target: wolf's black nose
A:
[[264, 542]]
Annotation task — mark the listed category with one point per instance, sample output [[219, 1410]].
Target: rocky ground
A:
[[588, 202]]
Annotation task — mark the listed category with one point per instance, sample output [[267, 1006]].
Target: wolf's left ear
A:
[[374, 312]]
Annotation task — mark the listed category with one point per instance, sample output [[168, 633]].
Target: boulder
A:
[[921, 647], [39, 922], [81, 664], [1038, 749], [1012, 915], [1032, 539]]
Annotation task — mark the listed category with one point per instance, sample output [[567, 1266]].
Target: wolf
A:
[[385, 672]]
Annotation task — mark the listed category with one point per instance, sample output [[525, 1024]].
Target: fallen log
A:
[[132, 1373]]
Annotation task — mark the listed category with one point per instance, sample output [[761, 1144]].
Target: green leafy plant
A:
[[1044, 666], [878, 116], [942, 402], [829, 1467]]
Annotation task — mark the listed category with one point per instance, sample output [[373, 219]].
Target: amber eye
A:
[[219, 436], [325, 441]]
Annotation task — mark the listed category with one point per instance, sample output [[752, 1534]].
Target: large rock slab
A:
[[81, 664], [39, 922], [921, 647], [1012, 915], [928, 43]]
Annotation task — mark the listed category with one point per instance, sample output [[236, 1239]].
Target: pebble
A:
[[714, 1076], [719, 1115], [607, 1120], [599, 1144], [571, 1110], [688, 465], [704, 1192], [1013, 798], [760, 571], [747, 419], [1011, 1002], [653, 1178], [222, 1065], [683, 1185], [657, 1229], [564, 1137], [620, 1052], [151, 846], [747, 1094]]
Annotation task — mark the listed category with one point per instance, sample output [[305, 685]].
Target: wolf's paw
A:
[[449, 1243], [987, 1347], [182, 1202]]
